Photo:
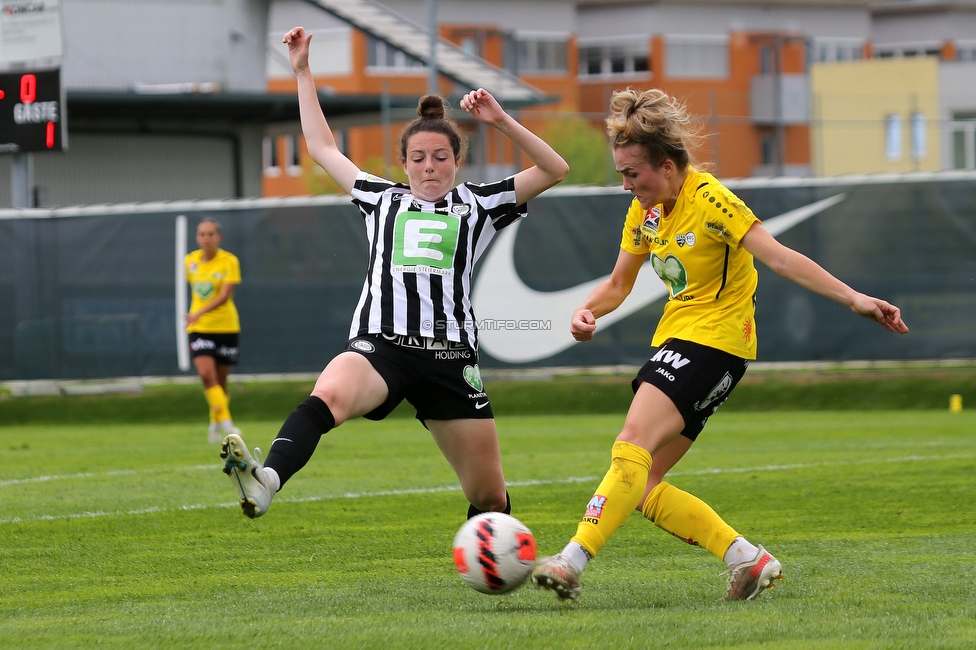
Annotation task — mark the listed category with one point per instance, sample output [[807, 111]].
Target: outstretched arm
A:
[[318, 136], [548, 166], [805, 272], [607, 296]]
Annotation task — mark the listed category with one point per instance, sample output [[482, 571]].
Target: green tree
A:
[[318, 182], [584, 146]]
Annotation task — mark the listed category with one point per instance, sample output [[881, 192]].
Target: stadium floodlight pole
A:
[[432, 57]]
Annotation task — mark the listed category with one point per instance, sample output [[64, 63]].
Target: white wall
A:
[[112, 44], [601, 21]]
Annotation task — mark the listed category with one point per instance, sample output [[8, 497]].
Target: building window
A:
[[614, 60], [383, 56], [907, 50], [893, 137], [541, 54], [767, 146], [827, 51], [697, 57], [965, 51], [270, 156], [291, 159], [919, 136]]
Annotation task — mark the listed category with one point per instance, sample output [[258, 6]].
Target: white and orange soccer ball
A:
[[494, 552]]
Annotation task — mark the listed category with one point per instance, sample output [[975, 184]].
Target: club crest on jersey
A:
[[414, 206], [688, 238], [461, 210], [193, 267], [652, 220], [594, 509]]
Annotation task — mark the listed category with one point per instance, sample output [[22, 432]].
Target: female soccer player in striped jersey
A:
[[413, 333], [701, 240]]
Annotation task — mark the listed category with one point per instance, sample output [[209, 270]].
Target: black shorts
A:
[[222, 347], [695, 377], [441, 379]]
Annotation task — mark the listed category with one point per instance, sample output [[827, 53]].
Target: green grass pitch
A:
[[129, 536]]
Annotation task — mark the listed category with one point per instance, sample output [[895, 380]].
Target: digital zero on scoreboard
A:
[[31, 111]]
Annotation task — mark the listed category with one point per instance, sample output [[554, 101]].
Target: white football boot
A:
[[247, 475], [747, 579]]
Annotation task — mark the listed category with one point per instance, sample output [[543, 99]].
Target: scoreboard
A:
[[31, 111]]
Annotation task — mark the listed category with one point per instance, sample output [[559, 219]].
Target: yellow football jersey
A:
[[695, 251], [205, 280]]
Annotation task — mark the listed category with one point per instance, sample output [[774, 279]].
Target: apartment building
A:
[[744, 68]]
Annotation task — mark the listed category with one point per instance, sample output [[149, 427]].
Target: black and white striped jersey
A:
[[422, 255]]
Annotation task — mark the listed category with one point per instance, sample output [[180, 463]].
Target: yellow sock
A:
[[689, 518], [618, 495], [217, 399]]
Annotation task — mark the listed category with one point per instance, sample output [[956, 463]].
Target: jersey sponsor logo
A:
[[687, 238], [472, 375], [424, 243], [362, 345], [203, 344], [716, 395], [480, 405], [672, 271], [594, 509], [204, 289], [448, 355], [225, 351], [671, 357], [664, 373], [719, 228], [499, 291]]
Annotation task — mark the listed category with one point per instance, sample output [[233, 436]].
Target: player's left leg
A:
[[470, 445], [651, 422]]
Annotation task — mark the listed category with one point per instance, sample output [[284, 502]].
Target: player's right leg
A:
[[348, 387]]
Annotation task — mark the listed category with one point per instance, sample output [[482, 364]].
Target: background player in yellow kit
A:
[[701, 240], [212, 322]]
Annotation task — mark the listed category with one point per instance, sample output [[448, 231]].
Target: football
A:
[[494, 552]]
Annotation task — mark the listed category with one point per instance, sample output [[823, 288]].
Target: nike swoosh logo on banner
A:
[[500, 295]]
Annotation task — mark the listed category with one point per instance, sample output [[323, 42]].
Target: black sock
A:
[[474, 512], [298, 437]]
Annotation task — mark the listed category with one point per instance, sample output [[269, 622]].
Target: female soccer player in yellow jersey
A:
[[212, 322], [701, 240]]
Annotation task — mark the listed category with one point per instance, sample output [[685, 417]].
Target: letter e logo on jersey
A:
[[594, 508], [425, 239]]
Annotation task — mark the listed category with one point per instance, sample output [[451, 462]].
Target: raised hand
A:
[[297, 41], [482, 106]]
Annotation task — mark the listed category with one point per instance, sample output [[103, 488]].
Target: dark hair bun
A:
[[431, 107]]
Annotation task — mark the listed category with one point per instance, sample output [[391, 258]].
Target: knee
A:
[[492, 500], [333, 400]]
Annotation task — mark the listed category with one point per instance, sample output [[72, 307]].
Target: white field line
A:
[[419, 490]]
